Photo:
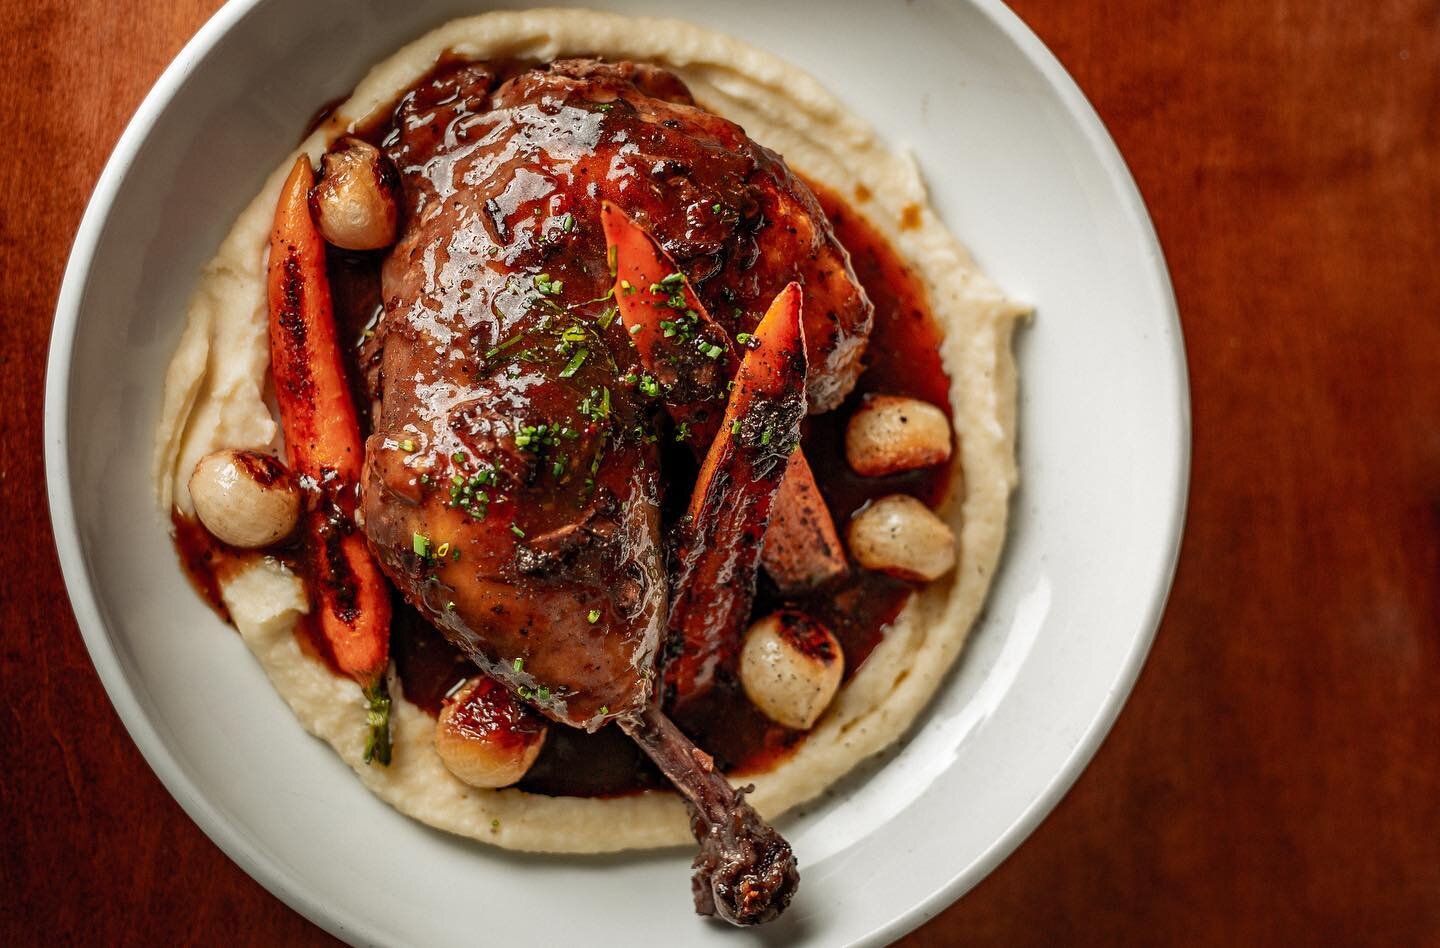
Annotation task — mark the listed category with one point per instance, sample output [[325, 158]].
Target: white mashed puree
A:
[[215, 398]]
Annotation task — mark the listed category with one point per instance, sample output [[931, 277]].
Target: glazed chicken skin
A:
[[512, 486], [513, 420]]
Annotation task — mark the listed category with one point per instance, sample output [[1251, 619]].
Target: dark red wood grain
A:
[[1276, 774]]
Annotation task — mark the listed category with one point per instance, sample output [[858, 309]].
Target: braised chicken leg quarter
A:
[[513, 481]]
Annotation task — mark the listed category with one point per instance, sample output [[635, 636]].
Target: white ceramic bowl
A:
[[1020, 167]]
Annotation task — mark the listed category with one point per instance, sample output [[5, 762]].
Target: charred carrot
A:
[[349, 599], [730, 508], [693, 358], [688, 353]]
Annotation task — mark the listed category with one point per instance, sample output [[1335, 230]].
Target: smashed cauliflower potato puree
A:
[[215, 397]]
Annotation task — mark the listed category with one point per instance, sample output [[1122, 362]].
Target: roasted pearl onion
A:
[[485, 736], [901, 536], [244, 498], [790, 668], [354, 201], [889, 434]]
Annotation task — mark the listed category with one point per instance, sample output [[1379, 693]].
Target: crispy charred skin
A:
[[350, 600], [692, 358], [724, 528]]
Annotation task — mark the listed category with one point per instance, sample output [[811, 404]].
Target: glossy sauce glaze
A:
[[207, 562], [903, 360], [857, 608]]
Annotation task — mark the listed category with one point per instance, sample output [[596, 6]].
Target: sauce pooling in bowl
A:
[[903, 359]]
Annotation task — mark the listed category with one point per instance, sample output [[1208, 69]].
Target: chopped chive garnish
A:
[[501, 347], [573, 366]]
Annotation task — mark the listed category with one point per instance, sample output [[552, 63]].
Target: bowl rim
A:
[[294, 890]]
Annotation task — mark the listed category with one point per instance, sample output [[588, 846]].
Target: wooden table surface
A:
[[1276, 773]]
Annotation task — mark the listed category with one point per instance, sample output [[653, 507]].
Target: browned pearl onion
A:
[[354, 200], [790, 668], [889, 434], [901, 536], [485, 736], [244, 498]]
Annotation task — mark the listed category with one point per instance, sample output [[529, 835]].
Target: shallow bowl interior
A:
[[1019, 167]]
